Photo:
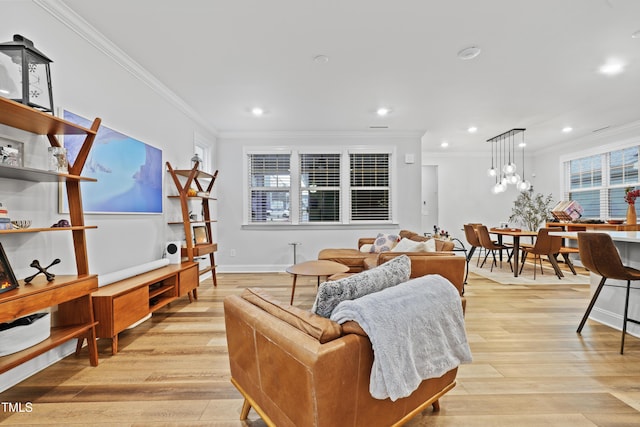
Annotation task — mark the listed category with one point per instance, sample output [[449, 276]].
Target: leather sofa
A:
[[358, 261], [299, 369]]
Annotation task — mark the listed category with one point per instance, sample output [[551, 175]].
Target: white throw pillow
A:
[[430, 245], [366, 247], [408, 245]]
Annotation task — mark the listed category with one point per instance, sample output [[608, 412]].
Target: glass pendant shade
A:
[[513, 179], [492, 172], [524, 186], [509, 168]]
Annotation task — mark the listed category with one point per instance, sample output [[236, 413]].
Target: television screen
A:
[[129, 172]]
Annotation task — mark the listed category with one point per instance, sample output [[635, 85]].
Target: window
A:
[[598, 182], [270, 181], [314, 187], [319, 187], [370, 187]]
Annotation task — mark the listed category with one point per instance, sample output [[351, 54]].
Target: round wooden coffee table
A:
[[318, 268]]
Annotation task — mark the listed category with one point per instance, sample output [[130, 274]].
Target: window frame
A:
[[296, 187], [605, 186]]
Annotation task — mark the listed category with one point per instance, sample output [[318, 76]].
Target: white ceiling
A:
[[538, 68]]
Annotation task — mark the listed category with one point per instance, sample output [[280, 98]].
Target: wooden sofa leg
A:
[[246, 407], [436, 406]]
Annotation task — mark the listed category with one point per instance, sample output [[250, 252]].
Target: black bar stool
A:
[[600, 256]]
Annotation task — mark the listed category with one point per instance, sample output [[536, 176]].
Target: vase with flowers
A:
[[630, 197]]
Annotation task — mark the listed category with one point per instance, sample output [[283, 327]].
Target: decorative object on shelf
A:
[[61, 224], [5, 221], [21, 223], [25, 74], [531, 211], [630, 197], [10, 155], [7, 278], [196, 160], [200, 235], [503, 152], [58, 159], [36, 264]]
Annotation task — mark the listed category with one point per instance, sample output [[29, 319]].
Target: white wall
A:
[[266, 248], [465, 191], [89, 83]]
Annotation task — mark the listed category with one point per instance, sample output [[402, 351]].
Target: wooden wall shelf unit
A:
[[183, 179], [72, 294], [119, 305]]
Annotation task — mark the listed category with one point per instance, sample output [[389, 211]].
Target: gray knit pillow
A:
[[331, 293]]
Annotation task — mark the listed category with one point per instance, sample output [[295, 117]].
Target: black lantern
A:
[[25, 75]]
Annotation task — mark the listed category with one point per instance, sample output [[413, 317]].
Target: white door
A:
[[429, 198]]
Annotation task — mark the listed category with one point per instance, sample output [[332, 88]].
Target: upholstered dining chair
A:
[[544, 245], [492, 247], [600, 256]]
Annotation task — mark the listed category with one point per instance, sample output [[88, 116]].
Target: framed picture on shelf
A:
[[200, 234], [7, 278]]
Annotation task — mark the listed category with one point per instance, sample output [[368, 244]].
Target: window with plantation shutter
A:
[[269, 188], [598, 182], [319, 188], [369, 186]]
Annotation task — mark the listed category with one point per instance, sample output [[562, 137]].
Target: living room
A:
[[95, 74]]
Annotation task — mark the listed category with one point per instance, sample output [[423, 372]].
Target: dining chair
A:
[[544, 245], [472, 238], [600, 256], [492, 247]]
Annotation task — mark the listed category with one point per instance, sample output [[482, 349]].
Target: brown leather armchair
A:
[[298, 369]]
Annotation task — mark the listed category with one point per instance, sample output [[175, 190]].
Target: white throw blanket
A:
[[417, 332]]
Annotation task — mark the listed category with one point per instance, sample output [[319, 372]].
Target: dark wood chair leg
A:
[[624, 319], [591, 304], [436, 406]]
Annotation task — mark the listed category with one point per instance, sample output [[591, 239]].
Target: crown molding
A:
[[317, 134], [63, 13]]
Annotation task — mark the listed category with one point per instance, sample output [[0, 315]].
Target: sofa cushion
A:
[[408, 245], [320, 328], [384, 242], [331, 293]]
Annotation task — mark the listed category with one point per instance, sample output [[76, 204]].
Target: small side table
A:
[[318, 268]]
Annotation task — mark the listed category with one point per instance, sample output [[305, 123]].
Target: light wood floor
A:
[[529, 368]]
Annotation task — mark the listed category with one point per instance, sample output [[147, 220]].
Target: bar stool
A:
[[600, 256]]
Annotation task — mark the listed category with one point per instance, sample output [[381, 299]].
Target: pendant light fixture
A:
[[505, 155]]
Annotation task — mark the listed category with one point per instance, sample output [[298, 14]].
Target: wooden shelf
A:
[[38, 175], [38, 230], [71, 294], [59, 335], [202, 249], [194, 176], [198, 174], [193, 197], [193, 222], [31, 120]]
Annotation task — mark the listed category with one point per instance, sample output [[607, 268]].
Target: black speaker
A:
[[172, 251]]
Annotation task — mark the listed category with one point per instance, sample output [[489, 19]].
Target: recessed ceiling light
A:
[[522, 144], [321, 59], [444, 144], [612, 68], [567, 129], [382, 111], [472, 129], [469, 53], [257, 111], [636, 35]]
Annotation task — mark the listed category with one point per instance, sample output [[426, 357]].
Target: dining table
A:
[[515, 234]]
